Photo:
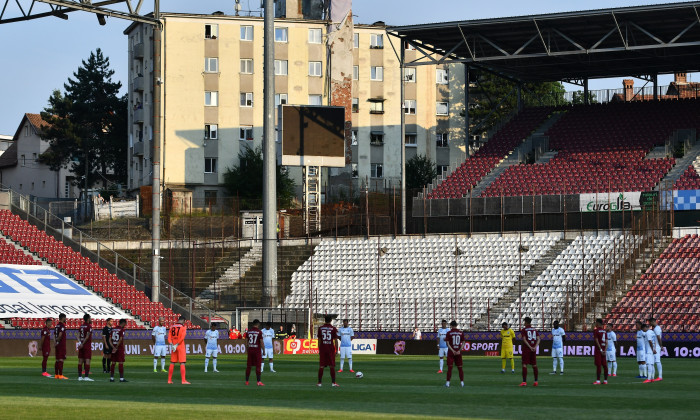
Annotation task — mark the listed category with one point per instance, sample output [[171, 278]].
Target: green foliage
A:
[[88, 119], [491, 89], [577, 98], [246, 179], [420, 171]]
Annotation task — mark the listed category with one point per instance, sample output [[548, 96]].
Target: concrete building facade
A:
[[212, 98]]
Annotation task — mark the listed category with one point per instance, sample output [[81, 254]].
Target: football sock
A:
[[215, 364], [461, 373], [350, 363], [449, 372], [561, 363], [87, 370], [659, 369], [614, 366], [162, 363], [206, 363], [342, 362], [524, 373], [442, 363], [650, 371], [182, 372], [535, 371], [247, 373], [121, 371], [642, 370], [271, 365], [503, 364], [554, 364], [447, 383], [610, 366], [333, 374], [257, 374], [597, 372], [44, 361], [104, 364], [262, 366], [170, 372], [320, 374], [80, 369], [60, 368], [605, 372], [512, 364], [111, 370], [155, 363]]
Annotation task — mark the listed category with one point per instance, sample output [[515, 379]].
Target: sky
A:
[[39, 56]]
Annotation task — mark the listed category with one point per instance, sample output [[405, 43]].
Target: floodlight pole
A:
[[403, 140], [155, 157], [270, 295]]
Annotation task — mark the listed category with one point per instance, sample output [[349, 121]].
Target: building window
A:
[[247, 65], [356, 40], [210, 197], [246, 33], [32, 186], [377, 73], [355, 173], [441, 76], [211, 31], [355, 104], [26, 131], [411, 140], [315, 100], [66, 184], [376, 107], [376, 138], [281, 67], [246, 99], [441, 140], [211, 98], [211, 131], [442, 108], [353, 141], [376, 41], [211, 65], [315, 68], [376, 170], [442, 170], [24, 160], [280, 99], [209, 165], [281, 35], [43, 184], [409, 107], [246, 133], [34, 157], [355, 72], [315, 36], [409, 75]]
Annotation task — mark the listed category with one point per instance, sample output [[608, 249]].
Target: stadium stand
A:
[[689, 180], [602, 148], [466, 176], [345, 276], [668, 290], [548, 297], [83, 270]]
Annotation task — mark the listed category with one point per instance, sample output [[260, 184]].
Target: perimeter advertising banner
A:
[[310, 346], [617, 201], [35, 291]]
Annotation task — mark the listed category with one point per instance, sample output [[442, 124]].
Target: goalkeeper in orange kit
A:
[[178, 352]]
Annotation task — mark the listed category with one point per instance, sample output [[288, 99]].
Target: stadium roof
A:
[[629, 41]]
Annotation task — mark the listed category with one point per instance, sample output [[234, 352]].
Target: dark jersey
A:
[[85, 330], [107, 333], [117, 334], [254, 339], [60, 330], [601, 336], [455, 339], [529, 335], [327, 334], [45, 339]]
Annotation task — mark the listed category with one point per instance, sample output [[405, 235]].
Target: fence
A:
[[644, 93]]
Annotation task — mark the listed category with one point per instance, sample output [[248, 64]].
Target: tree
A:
[[577, 98], [491, 91], [246, 179], [88, 123], [420, 171]]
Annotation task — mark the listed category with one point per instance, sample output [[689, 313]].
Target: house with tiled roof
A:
[[21, 170]]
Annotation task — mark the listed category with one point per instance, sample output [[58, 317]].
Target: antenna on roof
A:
[[237, 7]]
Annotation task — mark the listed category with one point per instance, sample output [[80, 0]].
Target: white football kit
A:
[[212, 346], [442, 345], [160, 349], [269, 350], [641, 346], [346, 336], [657, 335], [557, 342], [650, 345], [610, 351]]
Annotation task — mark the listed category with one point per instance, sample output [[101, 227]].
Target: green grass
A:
[[393, 387]]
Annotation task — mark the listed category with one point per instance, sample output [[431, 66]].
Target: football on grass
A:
[[359, 375]]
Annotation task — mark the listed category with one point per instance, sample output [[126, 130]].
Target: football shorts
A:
[[641, 355], [455, 359], [610, 356], [346, 352], [507, 353], [268, 353], [558, 352], [442, 352], [211, 353], [160, 350], [650, 358], [657, 357], [85, 353], [529, 357], [179, 355]]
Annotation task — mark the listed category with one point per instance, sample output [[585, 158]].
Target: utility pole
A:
[[155, 156]]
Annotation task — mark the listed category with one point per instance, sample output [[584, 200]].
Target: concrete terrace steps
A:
[[497, 311], [233, 274], [515, 155], [681, 165]]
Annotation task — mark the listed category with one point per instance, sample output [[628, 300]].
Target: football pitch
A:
[[392, 387]]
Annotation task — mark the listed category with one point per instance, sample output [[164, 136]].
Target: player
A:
[[641, 351], [650, 343], [118, 350], [212, 347], [159, 347], [107, 346], [442, 345], [611, 352], [268, 334], [85, 349], [46, 346], [531, 340], [507, 336], [327, 345], [454, 339], [599, 351], [254, 338], [659, 346], [59, 335], [346, 337], [558, 339], [178, 350]]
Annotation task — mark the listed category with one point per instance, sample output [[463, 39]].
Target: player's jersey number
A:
[[456, 341], [252, 339], [327, 336], [531, 336], [175, 331]]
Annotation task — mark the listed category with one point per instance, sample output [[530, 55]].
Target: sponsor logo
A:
[[621, 203], [300, 346]]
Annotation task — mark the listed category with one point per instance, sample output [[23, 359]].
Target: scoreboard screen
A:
[[313, 135]]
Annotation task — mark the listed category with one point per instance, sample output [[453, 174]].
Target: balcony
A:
[[138, 83], [138, 148], [138, 50], [138, 116]]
